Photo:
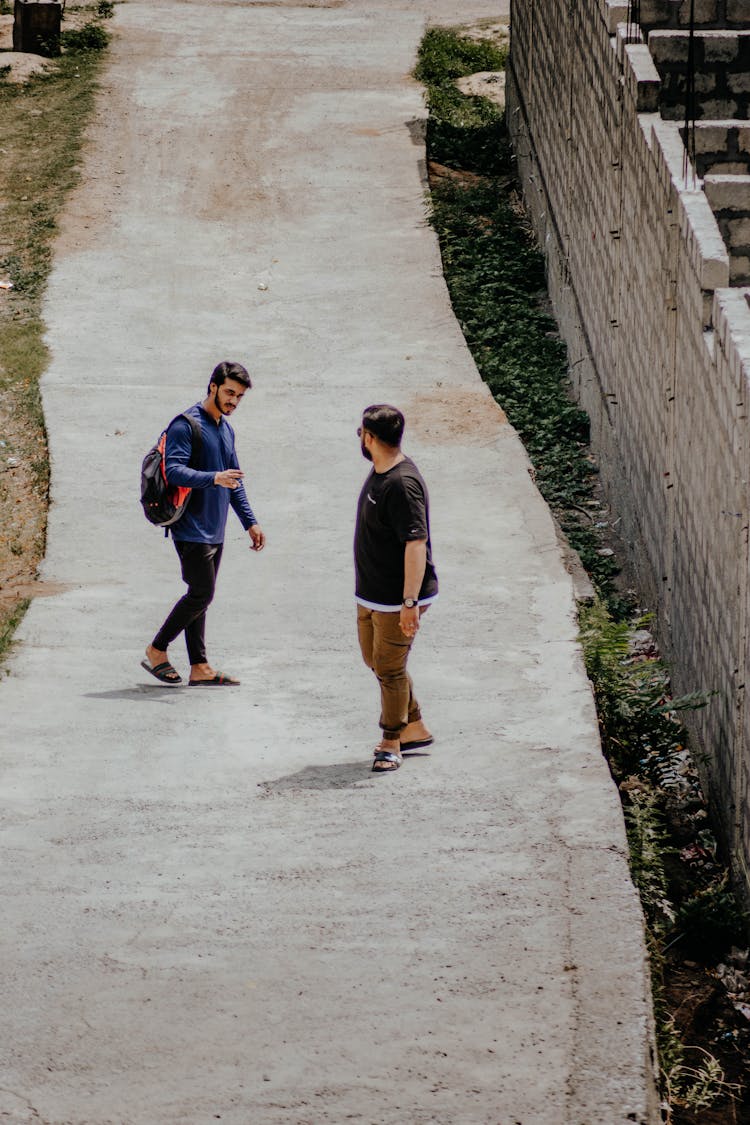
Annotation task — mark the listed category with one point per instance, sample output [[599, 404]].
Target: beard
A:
[[365, 452], [222, 409]]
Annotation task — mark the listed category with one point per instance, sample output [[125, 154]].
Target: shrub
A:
[[90, 37]]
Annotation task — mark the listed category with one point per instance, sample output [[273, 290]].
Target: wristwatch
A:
[[411, 603]]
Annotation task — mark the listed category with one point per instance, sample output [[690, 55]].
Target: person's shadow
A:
[[142, 693], [340, 775]]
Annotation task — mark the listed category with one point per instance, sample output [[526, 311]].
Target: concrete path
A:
[[211, 910]]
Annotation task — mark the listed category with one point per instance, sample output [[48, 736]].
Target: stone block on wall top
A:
[[616, 12]]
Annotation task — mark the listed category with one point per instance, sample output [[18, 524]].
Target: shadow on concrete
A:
[[342, 775], [139, 694]]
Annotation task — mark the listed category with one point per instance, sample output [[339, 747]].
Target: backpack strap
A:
[[195, 452], [197, 442], [195, 448]]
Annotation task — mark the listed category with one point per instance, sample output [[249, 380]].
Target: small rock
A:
[[488, 84]]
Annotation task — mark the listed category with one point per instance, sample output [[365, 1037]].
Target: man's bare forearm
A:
[[415, 561]]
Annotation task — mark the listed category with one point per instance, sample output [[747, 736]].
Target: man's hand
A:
[[409, 621], [228, 478], [258, 537]]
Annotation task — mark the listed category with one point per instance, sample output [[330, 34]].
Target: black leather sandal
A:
[[393, 761]]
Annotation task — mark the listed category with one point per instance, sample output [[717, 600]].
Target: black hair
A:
[[384, 422], [226, 370]]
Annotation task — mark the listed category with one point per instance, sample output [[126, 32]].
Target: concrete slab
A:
[[212, 910]]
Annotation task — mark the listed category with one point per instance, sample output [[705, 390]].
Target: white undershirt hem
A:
[[393, 608]]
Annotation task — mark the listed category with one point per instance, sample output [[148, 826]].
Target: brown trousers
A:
[[385, 650]]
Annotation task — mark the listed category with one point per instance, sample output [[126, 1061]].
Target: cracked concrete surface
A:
[[211, 909]]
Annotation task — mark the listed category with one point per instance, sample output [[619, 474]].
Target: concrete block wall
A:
[[658, 342], [722, 80], [722, 147], [729, 197], [676, 13]]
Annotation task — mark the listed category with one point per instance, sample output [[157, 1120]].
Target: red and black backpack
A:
[[162, 503]]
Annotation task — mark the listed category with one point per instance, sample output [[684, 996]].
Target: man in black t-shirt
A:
[[395, 578]]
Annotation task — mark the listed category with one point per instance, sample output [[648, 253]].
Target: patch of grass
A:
[[91, 37], [10, 621], [461, 131], [41, 127], [445, 54]]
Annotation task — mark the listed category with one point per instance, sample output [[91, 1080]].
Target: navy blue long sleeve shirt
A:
[[205, 517]]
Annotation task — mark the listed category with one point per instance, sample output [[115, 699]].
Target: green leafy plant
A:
[[461, 131], [10, 622], [711, 921], [648, 843], [699, 1086], [90, 37]]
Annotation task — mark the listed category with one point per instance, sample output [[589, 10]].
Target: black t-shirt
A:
[[393, 509]]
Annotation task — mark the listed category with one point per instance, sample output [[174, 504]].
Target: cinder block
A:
[[739, 83], [727, 193], [668, 46], [720, 46], [728, 168], [715, 109], [738, 231], [737, 11], [616, 12], [711, 136]]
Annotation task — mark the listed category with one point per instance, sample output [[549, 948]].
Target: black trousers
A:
[[200, 565]]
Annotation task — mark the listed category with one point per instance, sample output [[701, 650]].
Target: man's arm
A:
[[178, 453], [415, 561], [241, 505]]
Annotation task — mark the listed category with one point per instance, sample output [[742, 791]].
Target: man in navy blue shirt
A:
[[199, 533]]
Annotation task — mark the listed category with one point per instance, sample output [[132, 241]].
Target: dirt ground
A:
[[23, 445]]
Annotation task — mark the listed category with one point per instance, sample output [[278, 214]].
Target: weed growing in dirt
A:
[[10, 621], [497, 283], [91, 37]]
